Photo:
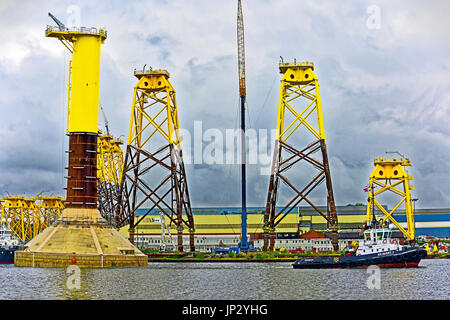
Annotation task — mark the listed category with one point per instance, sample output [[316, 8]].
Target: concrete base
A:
[[49, 260], [80, 237]]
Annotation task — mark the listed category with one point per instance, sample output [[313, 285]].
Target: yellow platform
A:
[[80, 237]]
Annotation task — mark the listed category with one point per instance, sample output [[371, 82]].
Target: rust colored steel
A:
[[273, 216], [82, 171]]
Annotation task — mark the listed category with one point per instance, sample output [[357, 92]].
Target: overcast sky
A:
[[383, 68]]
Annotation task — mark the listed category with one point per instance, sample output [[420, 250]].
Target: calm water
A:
[[252, 281]]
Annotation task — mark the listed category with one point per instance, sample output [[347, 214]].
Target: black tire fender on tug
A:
[[384, 260], [406, 257], [366, 262]]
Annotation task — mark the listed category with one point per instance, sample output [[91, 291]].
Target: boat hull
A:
[[7, 254], [409, 257]]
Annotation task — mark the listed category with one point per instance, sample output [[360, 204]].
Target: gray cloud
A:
[[382, 90]]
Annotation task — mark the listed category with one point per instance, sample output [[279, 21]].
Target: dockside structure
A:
[[220, 227]]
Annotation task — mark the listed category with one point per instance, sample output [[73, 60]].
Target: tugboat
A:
[[376, 249], [8, 245]]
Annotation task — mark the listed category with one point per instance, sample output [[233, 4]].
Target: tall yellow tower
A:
[[81, 236], [299, 110], [84, 76], [154, 176]]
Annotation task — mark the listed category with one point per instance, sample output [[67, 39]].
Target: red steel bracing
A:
[[170, 195], [280, 165], [107, 200]]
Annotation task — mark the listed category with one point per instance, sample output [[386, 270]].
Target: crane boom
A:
[[241, 50], [106, 120], [241, 62], [61, 25]]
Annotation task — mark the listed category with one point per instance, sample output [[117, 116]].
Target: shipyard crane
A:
[[242, 93], [106, 120], [61, 25]]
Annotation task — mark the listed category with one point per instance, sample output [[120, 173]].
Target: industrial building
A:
[[221, 227]]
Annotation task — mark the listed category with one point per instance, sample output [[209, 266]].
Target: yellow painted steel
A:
[[17, 216], [27, 217], [389, 174], [102, 150], [109, 159], [154, 128], [300, 107], [84, 76], [50, 208], [117, 160], [155, 112], [299, 83], [69, 90]]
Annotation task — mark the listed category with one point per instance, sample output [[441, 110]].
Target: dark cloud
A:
[[382, 90]]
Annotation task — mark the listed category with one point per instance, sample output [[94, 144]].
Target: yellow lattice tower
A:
[[117, 160], [18, 214], [34, 219], [50, 209], [154, 176], [109, 174], [109, 159], [27, 217], [390, 175], [299, 107], [12, 215], [102, 151], [1, 212]]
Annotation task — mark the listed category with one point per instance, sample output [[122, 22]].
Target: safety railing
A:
[[295, 63], [75, 29], [150, 70]]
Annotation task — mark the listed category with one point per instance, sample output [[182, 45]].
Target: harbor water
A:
[[225, 281]]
